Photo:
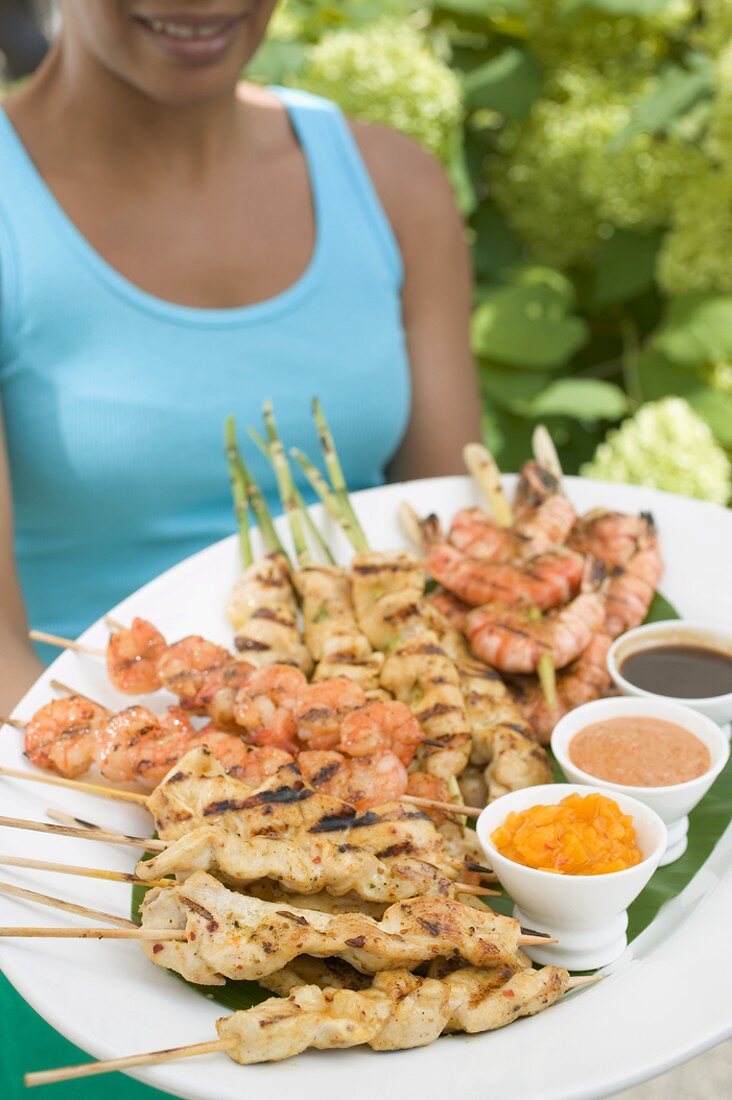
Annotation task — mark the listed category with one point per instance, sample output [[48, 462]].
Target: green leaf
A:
[[696, 330], [661, 378], [508, 83], [625, 267], [676, 90], [581, 399], [496, 247], [614, 7], [660, 610], [514, 390], [528, 326]]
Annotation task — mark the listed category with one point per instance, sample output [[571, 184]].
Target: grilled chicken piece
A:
[[263, 611], [240, 937], [387, 589], [304, 864], [399, 1011]]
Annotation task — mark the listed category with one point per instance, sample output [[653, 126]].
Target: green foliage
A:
[[590, 146]]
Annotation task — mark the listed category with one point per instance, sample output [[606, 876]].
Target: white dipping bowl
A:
[[672, 803], [674, 632], [586, 913]]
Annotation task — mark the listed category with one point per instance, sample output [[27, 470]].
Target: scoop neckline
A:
[[125, 288]]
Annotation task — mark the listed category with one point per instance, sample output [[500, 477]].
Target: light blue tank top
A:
[[114, 400]]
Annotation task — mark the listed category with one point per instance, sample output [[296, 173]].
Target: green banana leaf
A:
[[706, 824]]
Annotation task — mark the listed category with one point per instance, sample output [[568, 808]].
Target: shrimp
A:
[[264, 706], [362, 781], [581, 682], [632, 587], [322, 708], [514, 640], [218, 691], [63, 736], [613, 537], [133, 654], [136, 745], [545, 581], [430, 786], [184, 667], [381, 725], [544, 516], [475, 533], [239, 759]]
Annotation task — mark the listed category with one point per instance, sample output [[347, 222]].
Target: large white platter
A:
[[666, 1000]]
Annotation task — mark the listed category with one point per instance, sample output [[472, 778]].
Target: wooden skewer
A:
[[66, 906], [545, 452], [113, 624], [64, 689], [90, 1069], [482, 465], [64, 643], [582, 980], [149, 844], [192, 1050], [447, 807], [85, 872], [132, 933], [70, 819], [14, 722], [477, 891], [76, 785]]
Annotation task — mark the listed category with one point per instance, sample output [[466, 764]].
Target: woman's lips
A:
[[197, 41]]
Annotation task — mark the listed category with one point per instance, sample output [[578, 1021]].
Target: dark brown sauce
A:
[[680, 671]]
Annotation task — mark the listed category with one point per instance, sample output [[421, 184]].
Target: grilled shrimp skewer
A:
[[399, 1011]]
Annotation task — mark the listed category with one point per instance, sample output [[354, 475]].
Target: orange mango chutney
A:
[[581, 835]]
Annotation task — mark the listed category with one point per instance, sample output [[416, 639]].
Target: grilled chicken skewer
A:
[[226, 934], [399, 1011], [302, 863]]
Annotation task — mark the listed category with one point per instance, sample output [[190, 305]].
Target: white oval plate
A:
[[666, 1000]]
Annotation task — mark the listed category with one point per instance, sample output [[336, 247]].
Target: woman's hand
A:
[[436, 301], [19, 666]]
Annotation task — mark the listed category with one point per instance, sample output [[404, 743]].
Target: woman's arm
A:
[[436, 302], [19, 666]]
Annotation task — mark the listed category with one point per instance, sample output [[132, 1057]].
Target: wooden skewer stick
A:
[[90, 1069], [192, 1050], [482, 465], [14, 722], [76, 785], [70, 819], [132, 933], [447, 807], [168, 934], [114, 624], [147, 843], [545, 452], [66, 906], [477, 891], [64, 643], [582, 980], [83, 872], [65, 689]]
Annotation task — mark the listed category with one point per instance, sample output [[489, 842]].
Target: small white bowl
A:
[[674, 632], [587, 913], [672, 803]]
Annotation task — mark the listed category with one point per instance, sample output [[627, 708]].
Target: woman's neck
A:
[[89, 107]]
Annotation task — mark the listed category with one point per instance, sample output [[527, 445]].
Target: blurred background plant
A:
[[590, 146]]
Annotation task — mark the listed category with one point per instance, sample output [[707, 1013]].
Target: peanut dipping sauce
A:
[[639, 752]]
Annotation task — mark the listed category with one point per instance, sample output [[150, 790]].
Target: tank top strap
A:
[[345, 196]]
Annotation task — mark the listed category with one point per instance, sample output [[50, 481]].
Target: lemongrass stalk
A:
[[335, 470], [548, 680], [286, 486], [328, 498], [310, 523], [238, 492], [262, 513]]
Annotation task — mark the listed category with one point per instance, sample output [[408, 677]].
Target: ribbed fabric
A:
[[114, 400]]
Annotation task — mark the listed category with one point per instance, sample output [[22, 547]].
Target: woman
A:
[[172, 251]]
